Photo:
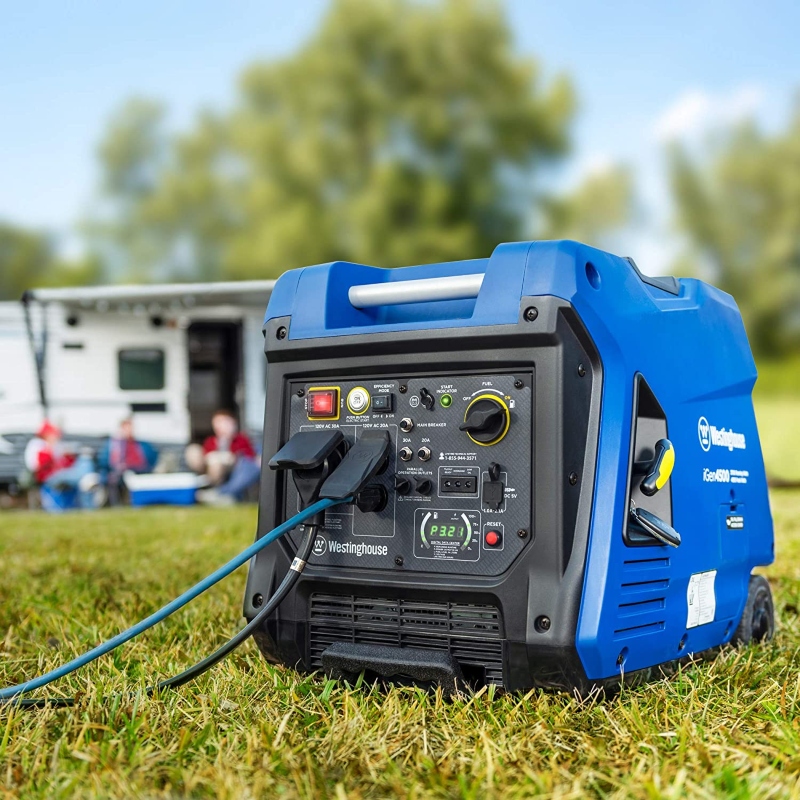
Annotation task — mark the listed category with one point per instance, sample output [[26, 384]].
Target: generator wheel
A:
[[758, 618]]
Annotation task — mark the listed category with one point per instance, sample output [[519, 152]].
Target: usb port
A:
[[460, 484]]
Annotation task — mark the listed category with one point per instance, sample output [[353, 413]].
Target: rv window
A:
[[141, 370]]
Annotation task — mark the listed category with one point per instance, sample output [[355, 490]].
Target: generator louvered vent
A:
[[471, 634], [642, 606]]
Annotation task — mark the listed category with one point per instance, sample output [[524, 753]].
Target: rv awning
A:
[[173, 296]]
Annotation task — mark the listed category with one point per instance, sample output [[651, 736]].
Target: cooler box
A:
[[172, 489]]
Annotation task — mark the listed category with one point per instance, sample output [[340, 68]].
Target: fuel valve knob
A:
[[487, 420]]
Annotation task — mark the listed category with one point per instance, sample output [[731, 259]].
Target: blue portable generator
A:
[[515, 421]]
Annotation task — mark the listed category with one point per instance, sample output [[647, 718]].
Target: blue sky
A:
[[645, 73]]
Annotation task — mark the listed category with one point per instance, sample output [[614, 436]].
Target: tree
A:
[[739, 206], [402, 132], [599, 206], [28, 260]]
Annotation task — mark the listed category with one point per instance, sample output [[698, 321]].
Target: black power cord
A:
[[296, 569]]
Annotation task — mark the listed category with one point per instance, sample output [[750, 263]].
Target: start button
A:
[[358, 400]]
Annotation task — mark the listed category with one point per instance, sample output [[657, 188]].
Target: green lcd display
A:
[[457, 532], [445, 526]]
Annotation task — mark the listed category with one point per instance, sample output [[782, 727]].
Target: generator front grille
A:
[[471, 634]]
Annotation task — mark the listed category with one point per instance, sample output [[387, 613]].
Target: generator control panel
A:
[[456, 495]]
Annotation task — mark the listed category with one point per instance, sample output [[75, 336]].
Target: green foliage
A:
[[602, 204], [727, 727], [401, 132], [779, 432], [27, 260], [740, 207]]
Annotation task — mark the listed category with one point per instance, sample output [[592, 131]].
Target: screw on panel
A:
[[301, 393], [682, 642], [581, 370], [403, 388], [573, 478], [258, 600], [280, 333], [518, 384], [542, 624], [398, 560], [531, 313], [522, 533]]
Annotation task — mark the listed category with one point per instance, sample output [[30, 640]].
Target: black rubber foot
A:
[[758, 618]]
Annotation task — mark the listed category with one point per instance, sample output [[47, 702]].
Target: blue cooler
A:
[[172, 489]]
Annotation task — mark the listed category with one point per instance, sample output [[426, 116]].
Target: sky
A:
[[646, 73]]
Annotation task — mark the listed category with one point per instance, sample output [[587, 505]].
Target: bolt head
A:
[[281, 333], [518, 384], [543, 624], [403, 388], [258, 600], [573, 478], [522, 533], [531, 313], [581, 370], [398, 560]]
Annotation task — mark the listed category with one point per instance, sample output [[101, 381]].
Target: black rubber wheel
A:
[[758, 618]]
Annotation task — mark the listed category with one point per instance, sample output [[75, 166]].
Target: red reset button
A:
[[492, 538], [323, 403]]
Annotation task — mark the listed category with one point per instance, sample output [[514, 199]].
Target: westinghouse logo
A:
[[719, 437], [358, 548]]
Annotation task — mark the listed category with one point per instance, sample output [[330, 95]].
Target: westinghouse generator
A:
[[516, 420]]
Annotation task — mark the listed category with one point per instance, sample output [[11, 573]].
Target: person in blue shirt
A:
[[124, 453]]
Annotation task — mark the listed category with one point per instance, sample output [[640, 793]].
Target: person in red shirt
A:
[[45, 454], [229, 460]]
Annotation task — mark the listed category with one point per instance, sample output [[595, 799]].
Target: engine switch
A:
[[323, 402]]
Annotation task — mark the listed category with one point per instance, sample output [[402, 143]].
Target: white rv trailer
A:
[[171, 354]]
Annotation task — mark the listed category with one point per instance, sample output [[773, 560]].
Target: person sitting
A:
[[227, 458], [45, 453], [124, 453], [66, 479]]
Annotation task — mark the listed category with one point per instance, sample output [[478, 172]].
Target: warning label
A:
[[701, 599]]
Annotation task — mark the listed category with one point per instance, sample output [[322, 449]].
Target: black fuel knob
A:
[[487, 420]]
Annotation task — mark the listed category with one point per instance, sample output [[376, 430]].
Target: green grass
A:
[[729, 727]]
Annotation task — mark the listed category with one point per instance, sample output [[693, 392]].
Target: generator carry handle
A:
[[423, 290], [341, 298]]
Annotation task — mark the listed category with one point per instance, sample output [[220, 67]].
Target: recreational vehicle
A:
[[169, 355]]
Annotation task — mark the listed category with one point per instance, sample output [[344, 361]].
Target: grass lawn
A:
[[725, 728]]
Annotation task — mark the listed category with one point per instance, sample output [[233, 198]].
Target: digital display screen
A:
[[447, 534], [445, 531]]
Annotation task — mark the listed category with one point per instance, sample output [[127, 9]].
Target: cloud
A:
[[696, 111]]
